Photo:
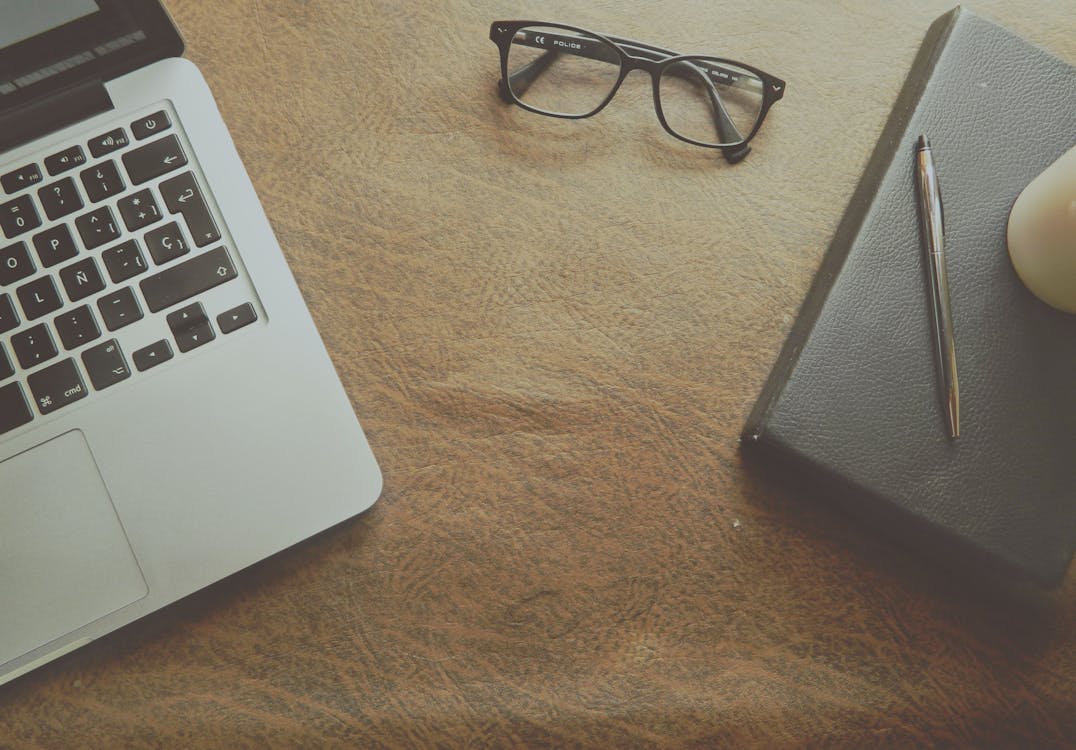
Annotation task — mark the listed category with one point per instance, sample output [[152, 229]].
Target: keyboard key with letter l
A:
[[154, 159], [181, 282], [39, 297], [57, 386], [14, 411], [182, 196]]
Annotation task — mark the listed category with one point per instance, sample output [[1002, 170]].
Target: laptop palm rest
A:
[[64, 558]]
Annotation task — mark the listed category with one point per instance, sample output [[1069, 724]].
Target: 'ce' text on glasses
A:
[[563, 71]]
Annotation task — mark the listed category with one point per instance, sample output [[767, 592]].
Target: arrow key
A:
[[190, 326], [152, 355], [236, 318]]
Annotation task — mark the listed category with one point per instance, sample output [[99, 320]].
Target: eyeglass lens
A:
[[560, 71]]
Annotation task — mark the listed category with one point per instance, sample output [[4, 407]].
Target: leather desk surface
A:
[[552, 332]]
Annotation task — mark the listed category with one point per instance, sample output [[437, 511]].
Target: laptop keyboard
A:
[[109, 249]]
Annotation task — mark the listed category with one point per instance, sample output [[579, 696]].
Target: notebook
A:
[[852, 405], [168, 413]]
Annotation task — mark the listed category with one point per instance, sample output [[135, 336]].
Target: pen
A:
[[932, 228]]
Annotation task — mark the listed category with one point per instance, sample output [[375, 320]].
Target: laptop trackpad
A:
[[64, 558]]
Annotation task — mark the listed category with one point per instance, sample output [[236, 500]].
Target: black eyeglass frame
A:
[[502, 34]]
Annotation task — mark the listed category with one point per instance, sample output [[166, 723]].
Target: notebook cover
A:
[[853, 403]]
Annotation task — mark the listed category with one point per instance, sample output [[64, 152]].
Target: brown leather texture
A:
[[553, 332]]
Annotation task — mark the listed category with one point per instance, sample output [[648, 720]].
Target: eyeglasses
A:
[[564, 71]]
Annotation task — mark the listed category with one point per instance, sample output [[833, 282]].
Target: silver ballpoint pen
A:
[[932, 227]]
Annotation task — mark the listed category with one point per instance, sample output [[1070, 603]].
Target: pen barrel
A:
[[931, 223]]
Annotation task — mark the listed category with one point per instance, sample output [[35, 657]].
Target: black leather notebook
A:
[[853, 404]]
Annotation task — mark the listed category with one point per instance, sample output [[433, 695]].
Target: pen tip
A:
[[922, 142]]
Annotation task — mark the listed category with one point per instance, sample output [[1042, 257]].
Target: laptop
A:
[[168, 412]]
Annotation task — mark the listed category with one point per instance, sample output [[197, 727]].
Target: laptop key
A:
[[108, 142], [57, 386], [33, 346], [18, 216], [166, 243], [20, 178], [55, 245], [67, 159], [14, 411], [97, 227], [76, 327], [151, 125], [182, 196], [236, 318], [152, 355], [154, 159], [138, 210], [119, 309], [6, 368], [190, 327], [82, 279], [60, 198], [102, 181], [105, 364], [15, 264], [124, 261], [9, 319], [39, 297], [181, 282]]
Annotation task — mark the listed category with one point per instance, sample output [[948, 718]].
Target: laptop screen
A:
[[45, 46]]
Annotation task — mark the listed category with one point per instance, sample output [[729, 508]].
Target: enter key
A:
[[183, 196]]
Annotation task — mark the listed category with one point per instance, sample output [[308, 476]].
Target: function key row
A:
[[60, 162]]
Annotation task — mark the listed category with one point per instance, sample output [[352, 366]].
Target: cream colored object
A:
[[1042, 234]]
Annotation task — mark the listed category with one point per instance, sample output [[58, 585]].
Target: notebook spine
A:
[[847, 231]]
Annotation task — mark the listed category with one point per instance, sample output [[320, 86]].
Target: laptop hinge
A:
[[53, 112]]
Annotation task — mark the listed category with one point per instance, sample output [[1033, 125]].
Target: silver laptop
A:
[[168, 413]]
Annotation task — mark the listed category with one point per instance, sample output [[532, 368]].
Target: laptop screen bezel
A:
[[162, 40]]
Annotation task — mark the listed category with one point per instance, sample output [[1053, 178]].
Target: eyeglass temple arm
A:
[[521, 78]]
